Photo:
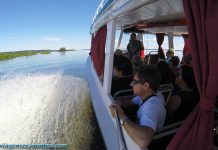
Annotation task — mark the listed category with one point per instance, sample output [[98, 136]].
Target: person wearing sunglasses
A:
[[151, 109]]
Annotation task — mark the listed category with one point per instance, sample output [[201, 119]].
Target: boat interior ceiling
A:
[[157, 16], [176, 30]]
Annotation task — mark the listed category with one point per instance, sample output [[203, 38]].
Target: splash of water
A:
[[50, 109]]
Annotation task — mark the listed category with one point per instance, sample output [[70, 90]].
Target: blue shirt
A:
[[152, 112]]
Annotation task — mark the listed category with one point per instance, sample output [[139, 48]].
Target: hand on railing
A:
[[116, 107], [117, 112]]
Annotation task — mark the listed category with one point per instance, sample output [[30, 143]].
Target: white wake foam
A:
[[48, 109]]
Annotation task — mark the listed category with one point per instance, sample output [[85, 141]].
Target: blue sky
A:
[[51, 24], [45, 24]]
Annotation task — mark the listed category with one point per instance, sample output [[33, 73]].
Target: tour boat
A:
[[198, 20]]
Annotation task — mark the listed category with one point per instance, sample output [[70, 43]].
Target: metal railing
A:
[[122, 141]]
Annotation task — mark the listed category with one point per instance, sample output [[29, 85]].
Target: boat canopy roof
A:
[[154, 16]]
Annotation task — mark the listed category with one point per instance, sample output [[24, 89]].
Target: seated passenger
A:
[[137, 61], [151, 110], [174, 64], [188, 78], [187, 60], [188, 93], [122, 74], [118, 52], [169, 54], [152, 59], [167, 75]]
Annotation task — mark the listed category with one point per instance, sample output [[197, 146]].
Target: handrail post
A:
[[109, 55]]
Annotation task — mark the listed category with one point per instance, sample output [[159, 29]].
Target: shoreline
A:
[[15, 54]]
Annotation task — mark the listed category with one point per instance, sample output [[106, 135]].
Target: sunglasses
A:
[[134, 82]]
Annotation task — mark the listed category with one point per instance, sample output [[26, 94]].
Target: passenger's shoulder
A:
[[157, 99]]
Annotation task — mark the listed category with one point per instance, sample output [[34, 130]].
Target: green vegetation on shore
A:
[[10, 55]]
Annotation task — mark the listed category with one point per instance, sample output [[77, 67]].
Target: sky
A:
[[52, 24], [45, 24]]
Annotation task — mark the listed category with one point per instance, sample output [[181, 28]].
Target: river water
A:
[[45, 99]]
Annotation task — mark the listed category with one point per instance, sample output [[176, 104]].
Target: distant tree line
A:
[[62, 49]]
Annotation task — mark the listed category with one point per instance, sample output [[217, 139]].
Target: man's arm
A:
[[141, 135]]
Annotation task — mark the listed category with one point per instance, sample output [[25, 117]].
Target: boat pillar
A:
[[109, 55], [120, 38], [170, 40]]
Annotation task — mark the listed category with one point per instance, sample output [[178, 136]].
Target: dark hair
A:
[[188, 59], [123, 64], [150, 74], [167, 75], [133, 35], [188, 76], [175, 60]]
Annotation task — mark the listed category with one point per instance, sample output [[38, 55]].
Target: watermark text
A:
[[35, 146]]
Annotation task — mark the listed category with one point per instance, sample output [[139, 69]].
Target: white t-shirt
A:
[[152, 112]]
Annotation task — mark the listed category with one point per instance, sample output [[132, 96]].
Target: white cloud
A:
[[52, 39]]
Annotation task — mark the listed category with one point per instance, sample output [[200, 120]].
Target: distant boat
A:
[[143, 17]]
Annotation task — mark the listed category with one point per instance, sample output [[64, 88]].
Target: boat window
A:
[[124, 41], [178, 46], [150, 43]]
